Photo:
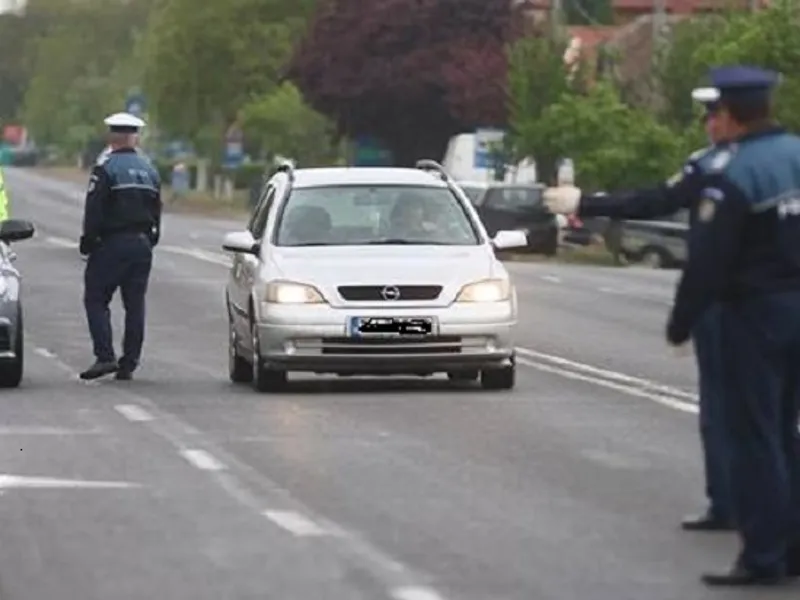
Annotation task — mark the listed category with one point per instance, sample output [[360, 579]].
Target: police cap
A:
[[124, 123], [742, 82], [708, 97]]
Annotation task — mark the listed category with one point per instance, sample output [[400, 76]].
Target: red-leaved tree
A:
[[411, 73]]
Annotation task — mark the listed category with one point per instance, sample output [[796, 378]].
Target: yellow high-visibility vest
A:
[[3, 198]]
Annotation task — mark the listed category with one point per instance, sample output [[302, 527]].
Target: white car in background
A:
[[369, 271]]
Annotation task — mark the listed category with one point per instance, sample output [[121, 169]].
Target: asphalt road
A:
[[569, 487]]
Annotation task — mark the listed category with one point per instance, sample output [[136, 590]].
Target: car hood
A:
[[370, 265]]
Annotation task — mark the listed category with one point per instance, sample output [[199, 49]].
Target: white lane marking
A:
[[57, 431], [44, 352], [663, 399], [629, 380], [632, 294], [133, 413], [294, 522], [18, 481], [202, 460], [63, 242], [411, 592], [210, 257], [552, 278]]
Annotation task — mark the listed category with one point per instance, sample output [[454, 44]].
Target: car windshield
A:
[[360, 215]]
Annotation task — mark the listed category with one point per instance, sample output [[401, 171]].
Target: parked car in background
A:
[[657, 244], [12, 335], [509, 206]]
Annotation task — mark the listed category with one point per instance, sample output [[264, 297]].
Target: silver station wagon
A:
[[369, 271]]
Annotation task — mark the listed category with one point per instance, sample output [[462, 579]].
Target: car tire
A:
[[11, 371], [265, 380], [654, 258], [502, 378], [239, 369], [463, 375]]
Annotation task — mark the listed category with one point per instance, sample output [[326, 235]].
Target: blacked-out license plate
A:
[[359, 326]]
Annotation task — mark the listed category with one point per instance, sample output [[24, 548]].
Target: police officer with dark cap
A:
[[746, 256], [121, 225], [679, 192]]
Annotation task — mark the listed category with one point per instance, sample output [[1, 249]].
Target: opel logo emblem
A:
[[390, 292]]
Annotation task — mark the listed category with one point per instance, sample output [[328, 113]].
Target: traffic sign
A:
[[135, 104], [486, 140]]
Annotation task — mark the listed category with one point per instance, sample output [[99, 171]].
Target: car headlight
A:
[[288, 292], [488, 290]]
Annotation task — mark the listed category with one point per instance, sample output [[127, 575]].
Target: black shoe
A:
[[124, 374], [99, 369], [706, 522], [740, 576]]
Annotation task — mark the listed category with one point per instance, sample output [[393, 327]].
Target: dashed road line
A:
[[415, 593], [294, 523], [202, 460], [133, 413]]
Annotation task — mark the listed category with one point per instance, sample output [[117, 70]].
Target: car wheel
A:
[[465, 375], [265, 380], [11, 371], [498, 379], [239, 370], [653, 258]]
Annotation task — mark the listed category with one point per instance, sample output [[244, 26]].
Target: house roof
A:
[[673, 6], [591, 36]]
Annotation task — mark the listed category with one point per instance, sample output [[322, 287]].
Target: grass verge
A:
[[581, 255]]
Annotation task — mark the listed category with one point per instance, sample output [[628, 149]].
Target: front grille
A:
[[370, 293], [434, 344]]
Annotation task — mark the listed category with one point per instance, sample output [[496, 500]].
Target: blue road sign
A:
[[485, 139], [135, 104]]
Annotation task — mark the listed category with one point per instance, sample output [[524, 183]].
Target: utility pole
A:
[[556, 16], [659, 25]]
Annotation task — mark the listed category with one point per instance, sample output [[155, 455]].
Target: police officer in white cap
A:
[[121, 225]]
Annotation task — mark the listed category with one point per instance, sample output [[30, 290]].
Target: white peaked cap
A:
[[124, 119], [705, 94]]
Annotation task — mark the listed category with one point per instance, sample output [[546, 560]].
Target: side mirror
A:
[[242, 242], [15, 230], [504, 240]]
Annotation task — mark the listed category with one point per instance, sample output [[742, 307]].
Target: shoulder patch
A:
[[92, 183], [720, 160], [707, 208]]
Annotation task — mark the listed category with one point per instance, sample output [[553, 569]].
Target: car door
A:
[[245, 266], [250, 264]]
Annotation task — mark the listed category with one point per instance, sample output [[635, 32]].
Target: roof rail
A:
[[426, 164], [285, 166]]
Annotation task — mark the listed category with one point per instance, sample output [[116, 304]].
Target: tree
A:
[[613, 145], [411, 77], [282, 123], [537, 77], [205, 60], [769, 38], [73, 86]]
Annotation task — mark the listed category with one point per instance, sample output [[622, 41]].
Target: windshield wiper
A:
[[405, 242]]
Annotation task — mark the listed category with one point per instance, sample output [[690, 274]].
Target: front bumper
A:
[[313, 338]]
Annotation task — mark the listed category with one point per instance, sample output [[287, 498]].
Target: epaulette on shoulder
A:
[[721, 158], [698, 154]]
